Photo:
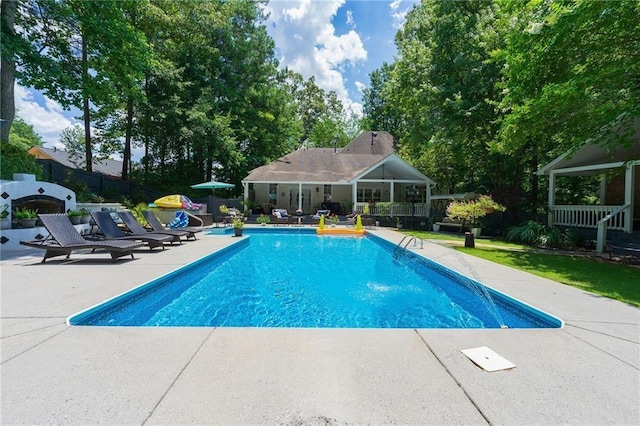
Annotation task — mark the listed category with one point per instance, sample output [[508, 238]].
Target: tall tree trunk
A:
[[534, 182], [7, 71], [85, 105], [126, 161]]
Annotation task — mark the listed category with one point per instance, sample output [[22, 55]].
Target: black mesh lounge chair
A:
[[157, 226], [136, 227], [64, 238], [110, 230]]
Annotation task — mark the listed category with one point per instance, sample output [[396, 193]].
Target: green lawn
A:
[[619, 282]]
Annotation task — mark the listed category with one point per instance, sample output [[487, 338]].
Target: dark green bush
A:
[[536, 234]]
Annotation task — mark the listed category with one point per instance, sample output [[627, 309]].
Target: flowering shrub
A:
[[470, 211]]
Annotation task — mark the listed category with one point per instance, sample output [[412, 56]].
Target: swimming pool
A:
[[294, 278]]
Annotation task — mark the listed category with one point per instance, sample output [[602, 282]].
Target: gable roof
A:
[[324, 165], [106, 167], [375, 143], [591, 157], [313, 165]]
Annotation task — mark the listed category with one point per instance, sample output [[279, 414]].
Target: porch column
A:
[[246, 195], [629, 183], [552, 197], [300, 196], [391, 192], [354, 196]]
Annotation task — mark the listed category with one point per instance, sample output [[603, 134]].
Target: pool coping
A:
[[538, 315], [586, 372]]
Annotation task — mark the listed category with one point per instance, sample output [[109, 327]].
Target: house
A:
[[365, 172], [619, 207], [108, 167]]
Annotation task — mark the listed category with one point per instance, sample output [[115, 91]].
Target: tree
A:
[[82, 54], [8, 10], [23, 136]]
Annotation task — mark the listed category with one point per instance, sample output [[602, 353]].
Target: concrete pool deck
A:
[[585, 373]]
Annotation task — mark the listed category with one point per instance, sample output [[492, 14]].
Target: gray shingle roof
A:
[[323, 165], [106, 167]]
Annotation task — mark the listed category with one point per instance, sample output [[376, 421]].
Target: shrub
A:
[[472, 210], [535, 234]]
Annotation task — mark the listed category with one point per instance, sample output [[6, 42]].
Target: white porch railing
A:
[[395, 209], [616, 216], [588, 216]]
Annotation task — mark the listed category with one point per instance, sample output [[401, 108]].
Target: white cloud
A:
[[307, 42], [47, 120], [350, 20], [399, 15], [360, 86]]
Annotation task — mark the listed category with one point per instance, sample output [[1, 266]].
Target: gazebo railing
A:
[[588, 216]]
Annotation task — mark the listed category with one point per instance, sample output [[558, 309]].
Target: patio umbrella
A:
[[212, 184]]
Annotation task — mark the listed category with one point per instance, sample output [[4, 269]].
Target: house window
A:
[[367, 195], [273, 192], [327, 193]]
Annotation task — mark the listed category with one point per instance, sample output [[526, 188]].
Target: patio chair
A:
[[111, 230], [315, 219], [64, 238], [157, 226], [281, 216], [136, 228]]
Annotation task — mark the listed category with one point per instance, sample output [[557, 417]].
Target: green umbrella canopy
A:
[[212, 185]]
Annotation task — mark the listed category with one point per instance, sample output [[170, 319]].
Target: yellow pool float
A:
[[323, 230], [340, 231]]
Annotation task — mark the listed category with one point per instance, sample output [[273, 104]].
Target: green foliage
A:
[[472, 210], [74, 213], [25, 213], [238, 223], [15, 159], [23, 136], [263, 219], [137, 212], [535, 234]]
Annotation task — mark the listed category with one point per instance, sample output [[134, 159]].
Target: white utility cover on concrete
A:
[[487, 359]]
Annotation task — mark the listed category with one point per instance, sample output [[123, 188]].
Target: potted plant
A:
[[26, 217], [263, 219], [223, 209], [4, 217], [238, 225], [75, 216], [86, 215], [398, 222]]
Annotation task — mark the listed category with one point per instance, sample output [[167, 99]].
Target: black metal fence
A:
[[97, 183]]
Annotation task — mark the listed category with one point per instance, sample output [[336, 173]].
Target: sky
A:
[[338, 42]]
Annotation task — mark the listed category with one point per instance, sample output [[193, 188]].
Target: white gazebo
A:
[[619, 189]]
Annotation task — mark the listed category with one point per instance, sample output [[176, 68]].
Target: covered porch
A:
[[619, 195], [390, 187]]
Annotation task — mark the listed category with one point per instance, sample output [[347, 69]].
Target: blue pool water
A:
[[299, 279]]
